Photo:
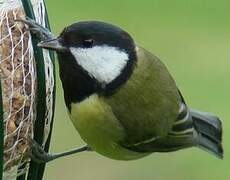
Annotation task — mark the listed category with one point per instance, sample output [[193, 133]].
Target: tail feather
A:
[[209, 132], [192, 128], [208, 145], [207, 124]]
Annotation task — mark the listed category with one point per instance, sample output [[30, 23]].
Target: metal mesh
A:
[[19, 81]]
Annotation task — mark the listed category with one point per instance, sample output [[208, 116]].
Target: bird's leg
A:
[[41, 32], [37, 154]]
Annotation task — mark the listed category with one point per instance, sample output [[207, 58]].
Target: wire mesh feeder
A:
[[26, 90]]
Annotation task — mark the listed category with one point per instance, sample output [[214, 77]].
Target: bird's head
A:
[[106, 52]]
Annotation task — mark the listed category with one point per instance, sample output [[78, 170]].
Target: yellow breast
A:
[[100, 129]]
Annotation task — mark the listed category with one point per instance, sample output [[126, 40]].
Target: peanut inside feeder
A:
[[18, 81]]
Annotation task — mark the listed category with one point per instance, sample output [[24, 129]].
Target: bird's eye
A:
[[88, 43]]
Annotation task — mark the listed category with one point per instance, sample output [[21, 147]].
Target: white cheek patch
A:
[[104, 63]]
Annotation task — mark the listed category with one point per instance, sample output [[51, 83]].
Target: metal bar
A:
[[1, 134], [47, 145]]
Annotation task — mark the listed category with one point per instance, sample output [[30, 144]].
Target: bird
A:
[[121, 98]]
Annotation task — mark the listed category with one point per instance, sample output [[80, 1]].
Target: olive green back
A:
[[148, 104]]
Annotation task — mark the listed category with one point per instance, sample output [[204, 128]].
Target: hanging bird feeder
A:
[[27, 90]]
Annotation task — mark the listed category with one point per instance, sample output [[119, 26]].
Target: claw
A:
[[36, 152], [37, 29], [28, 21]]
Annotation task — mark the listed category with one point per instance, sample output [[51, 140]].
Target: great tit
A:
[[121, 98]]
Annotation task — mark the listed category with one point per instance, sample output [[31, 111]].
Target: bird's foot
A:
[[41, 32], [37, 153]]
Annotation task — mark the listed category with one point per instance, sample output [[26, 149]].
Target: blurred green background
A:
[[192, 37]]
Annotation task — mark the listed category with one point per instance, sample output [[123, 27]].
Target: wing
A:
[[148, 104], [180, 136], [183, 124]]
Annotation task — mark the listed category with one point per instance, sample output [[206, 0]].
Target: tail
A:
[[192, 128], [209, 132]]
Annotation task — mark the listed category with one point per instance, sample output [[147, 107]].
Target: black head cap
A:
[[95, 33]]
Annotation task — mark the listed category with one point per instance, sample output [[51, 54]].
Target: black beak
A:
[[52, 44]]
